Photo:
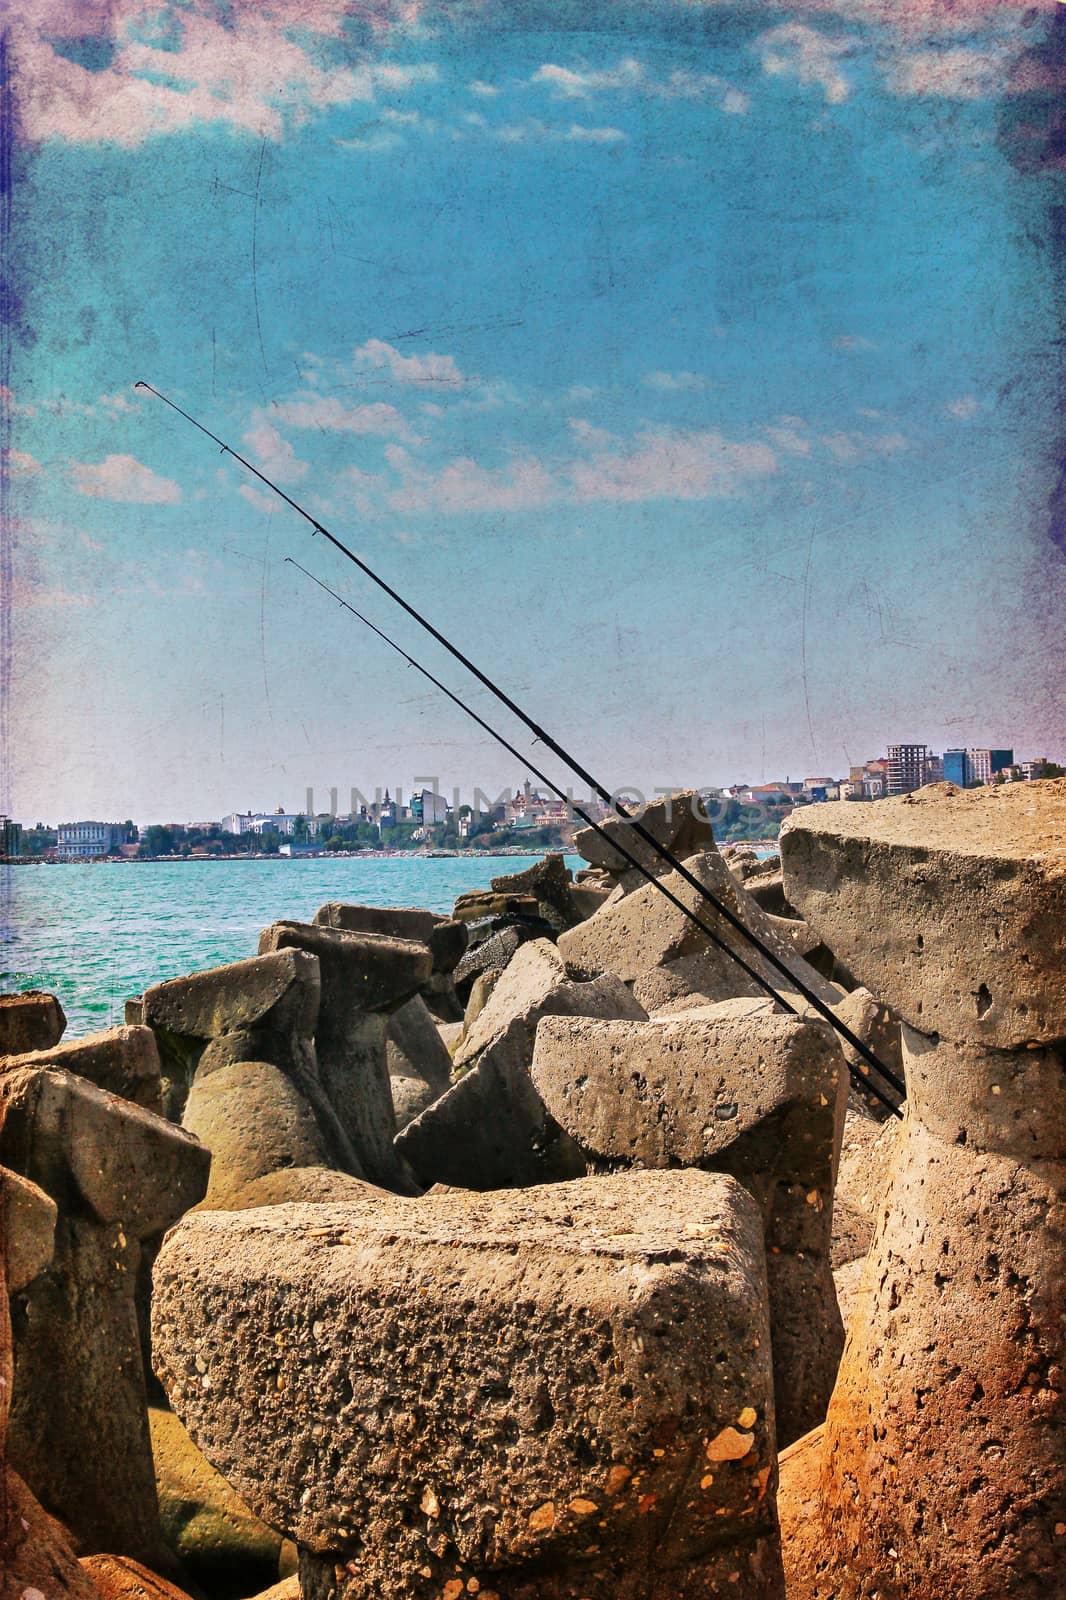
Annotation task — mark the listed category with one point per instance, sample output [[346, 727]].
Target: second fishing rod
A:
[[541, 777], [648, 838]]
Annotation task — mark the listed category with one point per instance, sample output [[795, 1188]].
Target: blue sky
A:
[[695, 366]]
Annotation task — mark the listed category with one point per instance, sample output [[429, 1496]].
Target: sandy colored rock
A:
[[866, 1155], [675, 821], [124, 1061], [36, 1555], [309, 1185], [549, 881], [761, 1097], [118, 1175], [583, 1408], [950, 1395], [876, 1026], [364, 978], [221, 1544], [27, 1229], [121, 1578], [32, 1020], [644, 930], [254, 1120], [480, 991], [491, 1130], [419, 1064], [278, 990], [949, 905], [445, 937]]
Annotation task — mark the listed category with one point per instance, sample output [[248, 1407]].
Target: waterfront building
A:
[[428, 808], [88, 841], [10, 837]]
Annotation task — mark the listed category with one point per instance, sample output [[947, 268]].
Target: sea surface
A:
[[94, 935]]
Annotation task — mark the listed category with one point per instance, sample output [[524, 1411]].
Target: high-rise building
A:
[[10, 837], [971, 767], [955, 767], [907, 766]]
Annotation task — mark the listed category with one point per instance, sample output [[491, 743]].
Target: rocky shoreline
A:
[[538, 1253]]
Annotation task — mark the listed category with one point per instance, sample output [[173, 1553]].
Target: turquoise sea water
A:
[[93, 935]]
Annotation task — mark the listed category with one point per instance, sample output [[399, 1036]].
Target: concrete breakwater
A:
[[536, 1253]]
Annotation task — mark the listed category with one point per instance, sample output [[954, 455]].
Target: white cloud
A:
[[118, 404], [267, 503], [856, 446], [20, 465], [308, 410], [670, 464], [274, 454], [956, 74], [10, 404], [425, 371], [120, 477], [628, 74], [533, 129], [581, 135], [675, 382], [963, 408], [789, 434], [795, 51], [853, 342], [253, 76], [465, 486], [488, 91], [594, 438], [632, 75]]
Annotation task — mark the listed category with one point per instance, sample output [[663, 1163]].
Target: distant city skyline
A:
[[697, 368], [340, 802]]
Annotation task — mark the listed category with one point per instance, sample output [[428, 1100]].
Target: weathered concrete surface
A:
[[876, 1026], [255, 1121], [480, 991], [583, 1407], [27, 1231], [698, 980], [364, 978], [761, 1097], [549, 881], [644, 930], [118, 1175], [490, 955], [419, 1065], [120, 1578], [219, 1541], [124, 1061], [359, 971], [674, 821], [943, 1465], [862, 1180], [480, 905], [36, 1556], [32, 1020], [274, 997], [308, 1185], [490, 1130], [949, 905], [445, 937], [277, 991]]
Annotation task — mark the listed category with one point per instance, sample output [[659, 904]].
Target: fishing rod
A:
[[541, 777], [541, 736]]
